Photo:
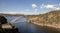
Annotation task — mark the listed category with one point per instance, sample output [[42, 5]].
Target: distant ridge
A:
[[3, 14]]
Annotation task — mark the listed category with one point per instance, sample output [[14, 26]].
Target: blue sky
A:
[[28, 6]]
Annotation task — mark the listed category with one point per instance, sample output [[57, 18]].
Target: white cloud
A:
[[41, 6], [34, 6], [58, 8], [47, 6], [52, 7], [9, 12], [22, 12]]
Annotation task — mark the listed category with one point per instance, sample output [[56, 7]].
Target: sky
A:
[[28, 7]]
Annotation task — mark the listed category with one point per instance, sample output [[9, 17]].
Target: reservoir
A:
[[25, 27]]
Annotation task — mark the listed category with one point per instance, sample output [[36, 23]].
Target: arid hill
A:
[[52, 17]]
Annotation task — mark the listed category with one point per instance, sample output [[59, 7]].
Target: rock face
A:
[[3, 20], [6, 27]]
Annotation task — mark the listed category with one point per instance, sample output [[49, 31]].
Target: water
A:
[[25, 27]]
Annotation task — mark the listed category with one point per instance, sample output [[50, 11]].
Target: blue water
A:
[[25, 27], [28, 28]]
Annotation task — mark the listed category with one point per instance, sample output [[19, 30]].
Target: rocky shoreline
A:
[[49, 28], [49, 25], [53, 26]]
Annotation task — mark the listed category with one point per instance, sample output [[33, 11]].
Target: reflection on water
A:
[[25, 27]]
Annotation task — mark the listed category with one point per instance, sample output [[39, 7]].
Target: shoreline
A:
[[48, 25]]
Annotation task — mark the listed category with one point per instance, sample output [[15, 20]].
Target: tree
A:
[[3, 20]]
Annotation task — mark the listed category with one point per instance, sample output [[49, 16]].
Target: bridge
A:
[[14, 19]]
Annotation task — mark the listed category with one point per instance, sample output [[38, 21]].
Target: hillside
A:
[[50, 18]]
